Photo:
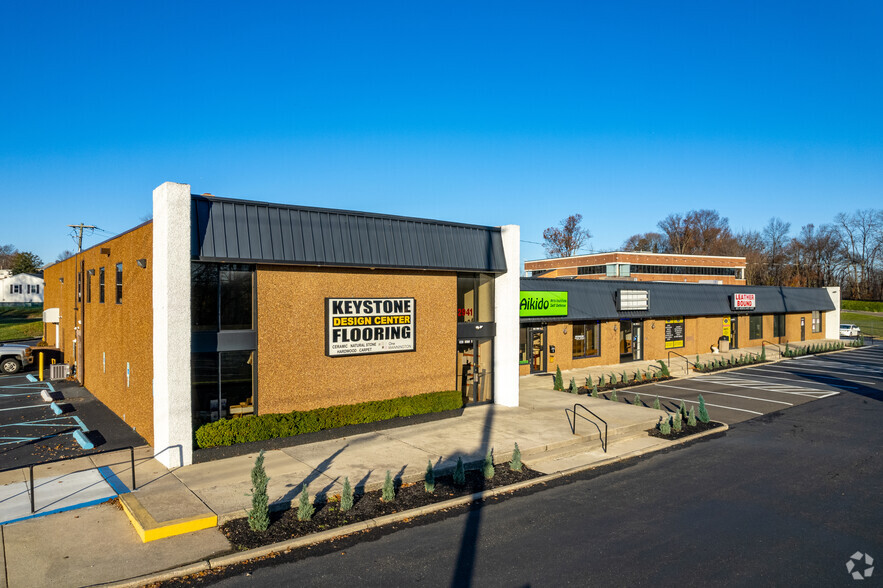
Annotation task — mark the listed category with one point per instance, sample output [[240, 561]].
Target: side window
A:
[[101, 285], [755, 327], [119, 283]]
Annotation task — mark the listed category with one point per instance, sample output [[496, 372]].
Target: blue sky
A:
[[481, 112]]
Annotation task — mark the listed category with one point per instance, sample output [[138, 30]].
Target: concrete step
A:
[[587, 444], [634, 445]]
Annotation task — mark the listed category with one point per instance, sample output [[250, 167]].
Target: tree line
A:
[[847, 252], [20, 262]]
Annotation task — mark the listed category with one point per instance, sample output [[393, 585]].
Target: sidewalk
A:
[[98, 544]]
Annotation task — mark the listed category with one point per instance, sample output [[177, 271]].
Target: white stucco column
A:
[[832, 317], [172, 434], [507, 289]]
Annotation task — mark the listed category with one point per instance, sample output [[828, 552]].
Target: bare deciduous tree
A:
[[567, 240]]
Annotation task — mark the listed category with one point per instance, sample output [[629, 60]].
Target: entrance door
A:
[[631, 341], [803, 328], [537, 349], [474, 370], [730, 331]]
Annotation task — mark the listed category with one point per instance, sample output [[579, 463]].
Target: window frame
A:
[[119, 283], [816, 321], [101, 278], [779, 325], [755, 322], [584, 327]]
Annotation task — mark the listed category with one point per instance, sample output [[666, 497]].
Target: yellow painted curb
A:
[[150, 530]]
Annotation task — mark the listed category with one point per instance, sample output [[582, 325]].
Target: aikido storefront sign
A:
[[361, 326]]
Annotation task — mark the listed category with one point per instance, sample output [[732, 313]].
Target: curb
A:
[[323, 536]]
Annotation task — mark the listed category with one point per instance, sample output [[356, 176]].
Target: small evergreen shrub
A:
[[623, 378], [691, 418], [677, 422], [259, 515], [656, 404], [601, 382], [594, 392], [683, 409], [429, 478], [459, 473], [588, 382], [389, 489], [613, 380], [515, 464], [558, 383], [613, 396], [665, 427], [703, 412], [346, 498], [763, 353], [573, 388], [305, 508], [488, 467], [663, 368], [637, 400]]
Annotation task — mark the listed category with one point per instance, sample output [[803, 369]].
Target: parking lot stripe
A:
[[726, 394], [807, 384], [781, 388], [810, 372], [709, 404]]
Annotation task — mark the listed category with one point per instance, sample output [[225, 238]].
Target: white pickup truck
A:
[[13, 357]]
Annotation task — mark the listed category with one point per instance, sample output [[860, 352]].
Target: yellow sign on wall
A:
[[674, 333], [727, 328]]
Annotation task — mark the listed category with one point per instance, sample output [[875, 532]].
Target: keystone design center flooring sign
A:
[[362, 326]]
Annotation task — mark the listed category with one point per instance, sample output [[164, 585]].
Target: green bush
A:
[[665, 426], [601, 382], [488, 468], [691, 418], [259, 515], [515, 464], [429, 478], [613, 396], [637, 400], [270, 426], [305, 509], [865, 305], [703, 412], [656, 404], [459, 473], [346, 499], [594, 392], [558, 382], [663, 368], [677, 422], [389, 490], [573, 388]]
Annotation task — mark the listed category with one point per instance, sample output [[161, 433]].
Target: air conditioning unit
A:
[[59, 371]]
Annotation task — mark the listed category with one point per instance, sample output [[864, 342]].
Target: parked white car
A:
[[850, 331]]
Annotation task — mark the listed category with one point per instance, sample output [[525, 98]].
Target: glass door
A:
[[537, 350], [631, 339], [475, 370]]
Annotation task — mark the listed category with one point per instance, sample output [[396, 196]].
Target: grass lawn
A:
[[869, 324], [20, 322]]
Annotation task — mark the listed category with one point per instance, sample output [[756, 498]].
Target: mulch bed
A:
[[687, 430], [284, 525]]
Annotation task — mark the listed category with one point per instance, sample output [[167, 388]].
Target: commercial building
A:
[[571, 323], [220, 307], [20, 289], [639, 266]]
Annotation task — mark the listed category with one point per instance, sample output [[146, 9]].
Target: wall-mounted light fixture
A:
[[91, 272], [565, 330], [614, 328], [652, 325], [142, 263], [61, 280]]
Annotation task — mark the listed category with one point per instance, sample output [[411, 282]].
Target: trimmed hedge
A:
[[271, 426]]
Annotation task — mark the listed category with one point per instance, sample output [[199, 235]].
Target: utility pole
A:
[[79, 299]]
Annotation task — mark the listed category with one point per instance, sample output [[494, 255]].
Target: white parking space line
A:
[[813, 373], [829, 366], [775, 388], [710, 404], [807, 385], [726, 394]]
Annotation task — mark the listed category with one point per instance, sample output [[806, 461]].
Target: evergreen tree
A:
[[665, 427], [346, 499], [305, 509], [613, 396], [429, 478], [459, 473], [656, 404], [558, 382], [703, 412], [573, 389], [637, 400], [676, 422], [488, 468], [691, 418], [389, 490], [515, 464], [594, 392], [259, 515]]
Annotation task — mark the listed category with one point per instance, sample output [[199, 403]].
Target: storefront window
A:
[[816, 321], [755, 327], [221, 297], [475, 298], [586, 339], [523, 350], [778, 325], [221, 385]]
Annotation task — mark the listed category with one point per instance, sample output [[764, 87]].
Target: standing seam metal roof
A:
[[259, 232], [596, 300]]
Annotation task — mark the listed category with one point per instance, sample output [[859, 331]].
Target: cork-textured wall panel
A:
[[295, 374], [113, 334]]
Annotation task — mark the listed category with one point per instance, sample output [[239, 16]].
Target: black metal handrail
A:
[[684, 357], [778, 347], [573, 424], [42, 463]]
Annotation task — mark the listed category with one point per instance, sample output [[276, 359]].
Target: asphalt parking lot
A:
[[738, 395], [31, 432]]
